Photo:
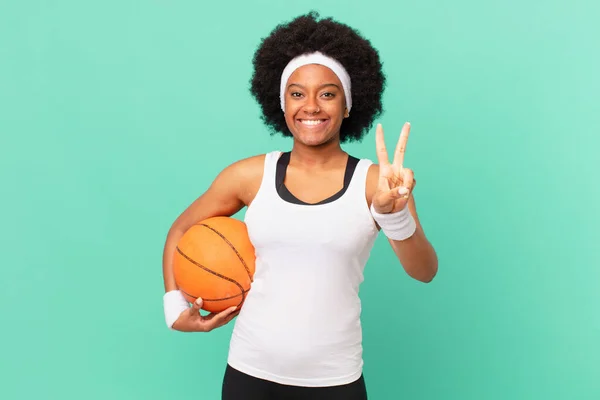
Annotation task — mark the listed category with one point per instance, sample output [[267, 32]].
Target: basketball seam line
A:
[[232, 248], [221, 299], [213, 272]]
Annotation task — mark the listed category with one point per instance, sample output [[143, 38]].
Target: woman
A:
[[313, 215]]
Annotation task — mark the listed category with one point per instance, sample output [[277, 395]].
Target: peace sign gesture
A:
[[395, 182]]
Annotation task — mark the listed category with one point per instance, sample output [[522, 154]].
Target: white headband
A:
[[321, 59]]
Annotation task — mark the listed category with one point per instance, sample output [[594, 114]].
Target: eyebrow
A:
[[320, 87]]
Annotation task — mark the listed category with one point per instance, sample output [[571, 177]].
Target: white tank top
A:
[[300, 323]]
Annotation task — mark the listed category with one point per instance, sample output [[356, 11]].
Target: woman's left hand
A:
[[396, 182]]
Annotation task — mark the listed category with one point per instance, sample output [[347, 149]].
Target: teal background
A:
[[115, 115]]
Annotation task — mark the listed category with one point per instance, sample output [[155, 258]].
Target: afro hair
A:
[[339, 41]]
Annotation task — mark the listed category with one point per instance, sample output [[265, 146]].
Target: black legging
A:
[[239, 386]]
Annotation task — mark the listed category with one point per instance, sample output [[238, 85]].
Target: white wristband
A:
[[397, 226], [174, 304]]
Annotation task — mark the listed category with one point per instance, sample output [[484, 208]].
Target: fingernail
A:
[[403, 190]]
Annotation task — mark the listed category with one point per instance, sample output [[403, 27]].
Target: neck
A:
[[317, 156]]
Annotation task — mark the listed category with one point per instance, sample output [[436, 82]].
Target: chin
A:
[[313, 141]]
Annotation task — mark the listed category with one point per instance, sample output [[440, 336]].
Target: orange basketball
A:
[[214, 260]]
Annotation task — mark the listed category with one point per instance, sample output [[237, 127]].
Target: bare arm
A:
[[390, 187], [231, 190], [416, 254]]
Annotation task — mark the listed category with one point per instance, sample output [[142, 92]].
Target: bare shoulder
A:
[[248, 167], [232, 189], [246, 175], [372, 178]]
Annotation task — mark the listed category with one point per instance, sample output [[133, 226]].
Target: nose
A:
[[311, 106]]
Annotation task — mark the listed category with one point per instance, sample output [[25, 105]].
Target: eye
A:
[[295, 94], [328, 94]]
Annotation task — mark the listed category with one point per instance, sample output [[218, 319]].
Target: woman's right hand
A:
[[191, 320]]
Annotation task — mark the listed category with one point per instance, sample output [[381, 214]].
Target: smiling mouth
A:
[[312, 122]]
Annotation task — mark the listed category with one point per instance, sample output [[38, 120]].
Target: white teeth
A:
[[311, 121]]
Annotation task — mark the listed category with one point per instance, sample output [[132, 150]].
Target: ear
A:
[[346, 113]]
